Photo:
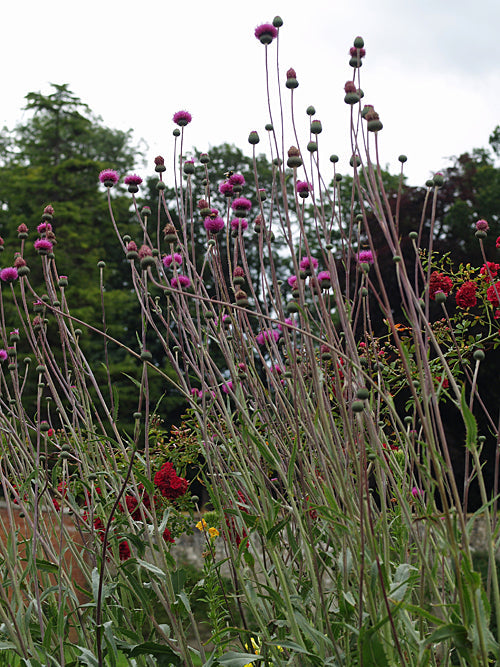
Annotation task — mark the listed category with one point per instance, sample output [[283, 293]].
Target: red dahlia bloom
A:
[[466, 295], [490, 270], [439, 283], [170, 485], [493, 293]]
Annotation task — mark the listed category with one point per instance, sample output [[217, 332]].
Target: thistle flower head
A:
[[44, 227], [239, 223], [226, 188], [365, 257], [180, 282], [213, 224], [241, 204], [308, 263], [9, 274], [182, 118], [145, 251], [168, 260], [132, 179], [237, 179], [303, 188], [482, 225], [43, 246], [265, 33], [265, 336], [108, 177]]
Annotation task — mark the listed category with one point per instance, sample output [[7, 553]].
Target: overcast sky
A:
[[432, 69]]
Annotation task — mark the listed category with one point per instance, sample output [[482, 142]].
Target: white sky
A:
[[432, 69]]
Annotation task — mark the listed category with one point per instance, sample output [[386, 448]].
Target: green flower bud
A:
[[253, 138]]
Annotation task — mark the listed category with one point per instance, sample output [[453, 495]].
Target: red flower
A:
[[167, 536], [124, 550], [445, 383], [490, 270], [466, 295], [438, 282], [493, 293], [171, 486], [100, 527]]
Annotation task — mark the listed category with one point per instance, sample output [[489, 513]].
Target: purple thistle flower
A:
[[365, 257], [308, 263], [482, 225], [214, 224], [325, 279], [44, 227], [3, 355], [292, 281], [168, 260], [43, 246], [132, 179], [303, 189], [9, 274], [289, 322], [226, 189], [182, 118], [108, 177], [180, 281], [196, 393], [237, 179], [239, 223], [145, 251], [241, 205], [227, 387], [265, 336], [265, 33]]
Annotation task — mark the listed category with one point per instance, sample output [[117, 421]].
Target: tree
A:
[[55, 157]]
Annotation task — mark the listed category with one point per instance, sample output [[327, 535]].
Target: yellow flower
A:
[[213, 532], [201, 525], [256, 650]]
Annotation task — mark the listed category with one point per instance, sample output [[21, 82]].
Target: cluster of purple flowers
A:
[[233, 184]]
